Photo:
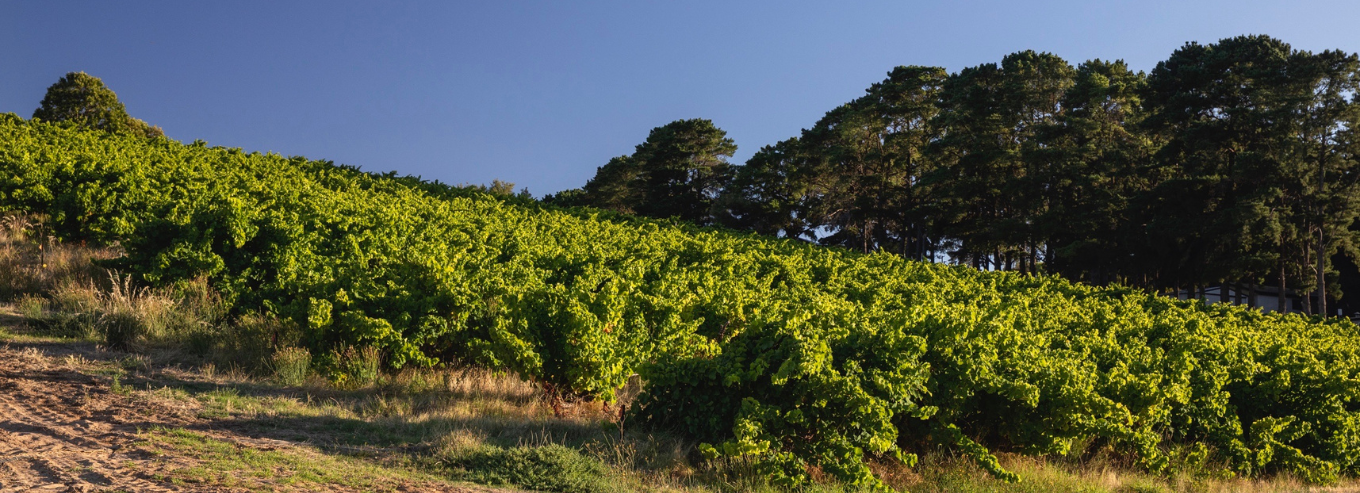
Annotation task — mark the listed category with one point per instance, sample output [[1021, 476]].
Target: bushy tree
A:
[[865, 161], [766, 195], [615, 186], [677, 172], [1240, 200], [84, 99], [1325, 85]]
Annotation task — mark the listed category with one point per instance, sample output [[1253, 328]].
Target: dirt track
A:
[[62, 429]]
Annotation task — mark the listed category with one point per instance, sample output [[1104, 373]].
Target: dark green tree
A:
[[683, 167], [766, 195], [85, 100], [572, 197], [615, 186], [1094, 158], [1326, 85], [864, 162], [853, 176], [909, 101], [988, 194], [677, 172], [1229, 208]]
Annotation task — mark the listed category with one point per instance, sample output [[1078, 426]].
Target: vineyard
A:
[[791, 355]]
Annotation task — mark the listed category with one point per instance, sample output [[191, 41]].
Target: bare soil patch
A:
[[63, 428]]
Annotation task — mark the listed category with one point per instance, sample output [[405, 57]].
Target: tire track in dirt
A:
[[64, 431]]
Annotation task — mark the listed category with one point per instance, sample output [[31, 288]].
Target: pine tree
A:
[[990, 196], [678, 172], [1229, 210], [1094, 155]]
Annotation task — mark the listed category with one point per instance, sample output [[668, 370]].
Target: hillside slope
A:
[[792, 355]]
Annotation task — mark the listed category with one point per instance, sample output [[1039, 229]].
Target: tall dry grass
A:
[[62, 290], [35, 263]]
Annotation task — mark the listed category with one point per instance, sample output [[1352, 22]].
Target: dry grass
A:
[[425, 414], [429, 416], [942, 472], [223, 464], [61, 290], [33, 262]]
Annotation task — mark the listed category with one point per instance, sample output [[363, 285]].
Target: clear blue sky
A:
[[541, 94]]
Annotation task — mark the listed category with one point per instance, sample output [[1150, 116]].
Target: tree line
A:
[[1229, 164]]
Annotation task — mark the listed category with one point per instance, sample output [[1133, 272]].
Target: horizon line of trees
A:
[[1229, 164]]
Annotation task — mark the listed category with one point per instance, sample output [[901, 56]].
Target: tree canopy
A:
[[83, 99], [1230, 163], [677, 172]]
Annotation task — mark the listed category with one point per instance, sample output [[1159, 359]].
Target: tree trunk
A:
[[865, 234], [1034, 258], [1282, 308], [1321, 276], [1322, 242], [1223, 292], [1306, 299], [1251, 297]]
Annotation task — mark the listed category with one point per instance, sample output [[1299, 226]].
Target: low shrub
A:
[[354, 367], [290, 365], [122, 329], [546, 468], [31, 307]]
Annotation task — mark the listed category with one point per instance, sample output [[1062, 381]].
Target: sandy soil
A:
[[64, 430]]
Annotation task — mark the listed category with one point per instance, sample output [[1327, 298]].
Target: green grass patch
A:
[[230, 465], [546, 468]]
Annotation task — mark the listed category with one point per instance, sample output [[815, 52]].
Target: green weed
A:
[[290, 365], [353, 367]]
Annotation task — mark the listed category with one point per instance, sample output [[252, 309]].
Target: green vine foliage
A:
[[801, 382], [786, 354]]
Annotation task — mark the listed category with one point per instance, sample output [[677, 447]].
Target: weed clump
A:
[[290, 365], [351, 367], [250, 342], [30, 306], [122, 328]]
